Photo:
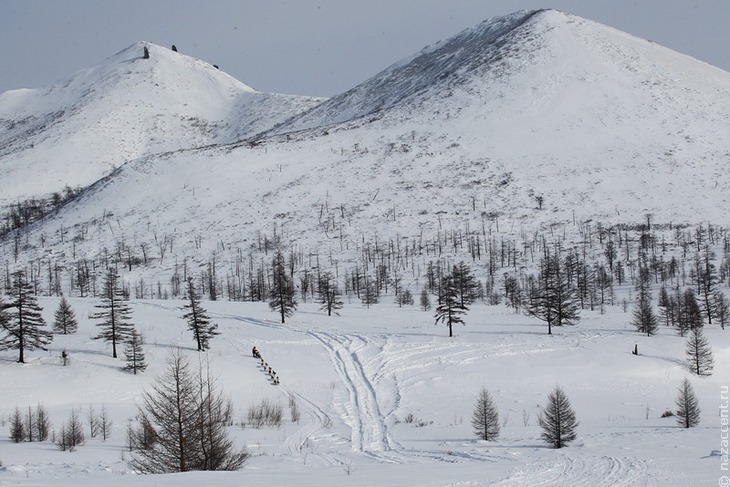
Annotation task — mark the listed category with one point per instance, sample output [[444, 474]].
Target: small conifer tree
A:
[[134, 354], [371, 293], [42, 423], [328, 294], [485, 418], [282, 289], [198, 320], [699, 353], [23, 323], [688, 408], [450, 309], [115, 315], [17, 426], [404, 298], [721, 308], [558, 421], [65, 319], [104, 423], [72, 433], [644, 318], [425, 301]]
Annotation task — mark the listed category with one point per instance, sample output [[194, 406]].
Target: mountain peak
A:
[[126, 107], [157, 54], [436, 65], [489, 55]]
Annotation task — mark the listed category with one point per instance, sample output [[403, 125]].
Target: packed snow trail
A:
[[604, 471], [306, 441], [362, 413], [369, 431], [309, 442]]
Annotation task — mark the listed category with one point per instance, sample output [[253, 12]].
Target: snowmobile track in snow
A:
[[604, 471], [304, 441], [363, 415]]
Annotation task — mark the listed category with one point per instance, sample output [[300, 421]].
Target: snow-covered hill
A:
[[550, 119], [79, 129]]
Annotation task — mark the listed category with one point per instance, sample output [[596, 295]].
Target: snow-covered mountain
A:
[[523, 130], [538, 63], [79, 129], [534, 118], [433, 72]]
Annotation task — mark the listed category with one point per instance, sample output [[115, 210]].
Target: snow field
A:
[[356, 379]]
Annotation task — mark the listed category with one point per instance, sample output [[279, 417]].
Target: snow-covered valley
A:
[[357, 377], [532, 133]]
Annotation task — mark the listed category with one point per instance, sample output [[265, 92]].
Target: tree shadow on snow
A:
[[672, 360]]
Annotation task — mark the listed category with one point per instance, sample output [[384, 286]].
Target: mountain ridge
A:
[[410, 76]]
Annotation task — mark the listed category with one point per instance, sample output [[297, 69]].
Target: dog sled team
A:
[[273, 376]]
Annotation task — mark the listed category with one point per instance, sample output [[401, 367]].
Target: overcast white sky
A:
[[309, 47]]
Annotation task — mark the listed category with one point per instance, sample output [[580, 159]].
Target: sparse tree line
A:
[[244, 274], [557, 420], [23, 213], [34, 425], [547, 280], [23, 325], [601, 259]]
